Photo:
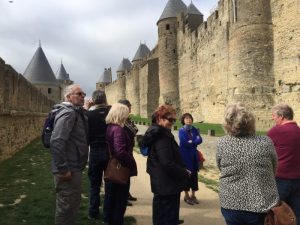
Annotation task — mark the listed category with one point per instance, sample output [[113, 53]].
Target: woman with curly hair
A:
[[248, 164]]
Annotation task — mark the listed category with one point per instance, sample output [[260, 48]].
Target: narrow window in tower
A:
[[236, 13], [234, 7], [166, 43], [168, 27], [49, 90]]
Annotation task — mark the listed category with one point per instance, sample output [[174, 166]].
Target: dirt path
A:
[[206, 213]]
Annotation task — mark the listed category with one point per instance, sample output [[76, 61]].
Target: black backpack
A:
[[49, 124]]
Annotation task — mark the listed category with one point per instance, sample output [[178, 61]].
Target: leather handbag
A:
[[200, 156], [281, 214], [115, 171]]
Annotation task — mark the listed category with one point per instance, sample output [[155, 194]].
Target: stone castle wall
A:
[[286, 21], [251, 55], [22, 111], [203, 69], [116, 90], [149, 88]]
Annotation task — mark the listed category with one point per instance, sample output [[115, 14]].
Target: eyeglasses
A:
[[82, 94], [171, 120]]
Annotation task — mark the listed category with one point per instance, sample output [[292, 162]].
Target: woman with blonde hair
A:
[[119, 144], [248, 164]]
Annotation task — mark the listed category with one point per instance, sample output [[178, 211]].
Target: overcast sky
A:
[[87, 35]]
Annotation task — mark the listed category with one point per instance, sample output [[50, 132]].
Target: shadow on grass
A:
[[27, 192]]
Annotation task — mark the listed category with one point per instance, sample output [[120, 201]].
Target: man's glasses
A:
[[82, 94], [171, 120]]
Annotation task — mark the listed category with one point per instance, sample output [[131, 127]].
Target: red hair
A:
[[164, 111]]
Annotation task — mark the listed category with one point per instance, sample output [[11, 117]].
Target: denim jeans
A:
[[289, 191], [165, 209], [115, 202], [97, 165], [240, 217]]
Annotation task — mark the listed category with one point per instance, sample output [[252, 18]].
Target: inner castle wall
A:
[[248, 53], [22, 111]]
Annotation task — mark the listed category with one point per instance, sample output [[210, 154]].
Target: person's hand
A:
[[189, 172], [65, 176], [88, 103]]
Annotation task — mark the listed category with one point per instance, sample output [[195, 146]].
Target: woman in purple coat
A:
[[120, 146], [189, 138]]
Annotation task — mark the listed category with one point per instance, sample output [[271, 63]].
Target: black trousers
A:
[[165, 209], [97, 164], [115, 202]]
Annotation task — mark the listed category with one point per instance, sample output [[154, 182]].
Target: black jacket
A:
[[167, 171], [97, 125]]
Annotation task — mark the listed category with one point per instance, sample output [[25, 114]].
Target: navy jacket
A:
[[188, 147]]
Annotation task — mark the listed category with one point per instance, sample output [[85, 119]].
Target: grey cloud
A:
[[88, 35]]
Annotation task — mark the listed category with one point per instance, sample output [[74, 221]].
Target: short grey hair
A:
[[238, 121], [69, 90], [283, 110], [118, 114]]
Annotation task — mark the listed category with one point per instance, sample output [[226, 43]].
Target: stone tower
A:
[[137, 62], [105, 79], [122, 71], [40, 74], [167, 53], [250, 77], [63, 79], [194, 17]]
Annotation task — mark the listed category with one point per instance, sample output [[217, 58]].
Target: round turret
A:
[[251, 55], [105, 79], [40, 74], [137, 60], [167, 52]]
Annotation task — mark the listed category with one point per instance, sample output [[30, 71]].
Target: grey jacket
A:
[[68, 144], [247, 180]]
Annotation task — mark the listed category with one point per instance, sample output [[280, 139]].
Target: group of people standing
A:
[[91, 133], [254, 176], [258, 171], [172, 168]]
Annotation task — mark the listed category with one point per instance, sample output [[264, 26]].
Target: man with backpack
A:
[[98, 156], [69, 151]]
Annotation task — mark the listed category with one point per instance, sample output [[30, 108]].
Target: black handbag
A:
[[115, 171]]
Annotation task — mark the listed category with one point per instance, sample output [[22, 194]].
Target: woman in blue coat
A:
[[189, 138]]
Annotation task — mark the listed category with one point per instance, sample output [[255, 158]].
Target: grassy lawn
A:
[[204, 127], [27, 191]]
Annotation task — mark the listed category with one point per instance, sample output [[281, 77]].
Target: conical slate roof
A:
[[39, 71], [106, 76], [142, 51], [191, 9], [172, 9], [62, 74], [125, 65]]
